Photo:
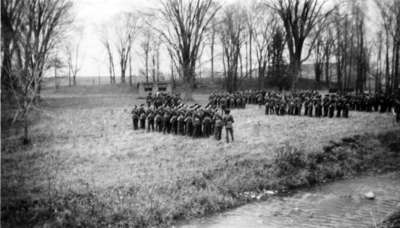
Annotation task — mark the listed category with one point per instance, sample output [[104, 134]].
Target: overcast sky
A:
[[91, 16]]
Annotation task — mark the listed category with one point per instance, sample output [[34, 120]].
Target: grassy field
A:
[[87, 166]]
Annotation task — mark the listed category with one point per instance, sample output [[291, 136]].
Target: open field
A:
[[84, 148]]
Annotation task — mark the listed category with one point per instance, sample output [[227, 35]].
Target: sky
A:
[[90, 16]]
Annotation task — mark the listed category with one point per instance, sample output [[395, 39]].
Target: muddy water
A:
[[339, 204]]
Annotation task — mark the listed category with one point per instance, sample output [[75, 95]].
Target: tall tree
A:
[[300, 18], [262, 27], [231, 31], [105, 40], [183, 28], [72, 52], [277, 69], [126, 30], [39, 29]]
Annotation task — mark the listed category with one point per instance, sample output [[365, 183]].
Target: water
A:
[[339, 204]]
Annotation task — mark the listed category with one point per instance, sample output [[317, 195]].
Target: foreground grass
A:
[[87, 167], [391, 221]]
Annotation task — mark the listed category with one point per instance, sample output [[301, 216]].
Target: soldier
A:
[[223, 103], [218, 126], [189, 124], [283, 108], [196, 126], [325, 104], [207, 125], [259, 100], [142, 119], [228, 121], [159, 120], [396, 109], [135, 118], [331, 109], [339, 107], [149, 100], [318, 108], [310, 108], [297, 111], [174, 123], [150, 120], [181, 124], [346, 108], [267, 106], [166, 122]]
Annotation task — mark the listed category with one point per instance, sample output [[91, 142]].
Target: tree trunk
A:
[[188, 75], [130, 72], [212, 54], [147, 66], [396, 68], [123, 76], [154, 68], [158, 64], [296, 71], [250, 53], [25, 139]]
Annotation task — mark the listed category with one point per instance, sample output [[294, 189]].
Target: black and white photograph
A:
[[200, 113]]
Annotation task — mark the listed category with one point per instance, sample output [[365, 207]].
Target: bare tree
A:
[[231, 31], [212, 46], [105, 40], [318, 59], [390, 14], [300, 18], [146, 46], [328, 45], [33, 38], [126, 30], [72, 52], [183, 27], [12, 13], [262, 26]]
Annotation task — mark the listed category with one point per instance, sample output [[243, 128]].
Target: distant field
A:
[[86, 143]]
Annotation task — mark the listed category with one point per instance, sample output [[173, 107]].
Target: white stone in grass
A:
[[369, 195]]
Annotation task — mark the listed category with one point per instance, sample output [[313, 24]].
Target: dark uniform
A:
[[135, 118], [150, 120], [228, 121], [218, 126]]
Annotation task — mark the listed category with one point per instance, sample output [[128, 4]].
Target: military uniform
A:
[[228, 121], [218, 126], [135, 119]]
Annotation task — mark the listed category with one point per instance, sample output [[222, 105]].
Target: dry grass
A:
[[81, 149]]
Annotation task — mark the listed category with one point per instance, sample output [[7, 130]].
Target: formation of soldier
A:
[[163, 99], [193, 121], [307, 102]]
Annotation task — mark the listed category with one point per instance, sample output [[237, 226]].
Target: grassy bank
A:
[[391, 221], [87, 167], [214, 190]]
